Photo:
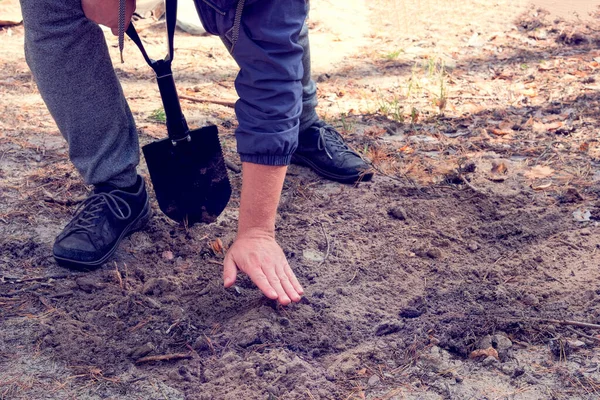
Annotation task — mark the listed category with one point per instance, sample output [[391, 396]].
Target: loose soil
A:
[[446, 277]]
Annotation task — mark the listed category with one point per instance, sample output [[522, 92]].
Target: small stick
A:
[[565, 322], [119, 277], [213, 101], [37, 278], [63, 202], [571, 245], [139, 325], [232, 166], [354, 276], [164, 357], [61, 294], [470, 185], [575, 331], [326, 251]]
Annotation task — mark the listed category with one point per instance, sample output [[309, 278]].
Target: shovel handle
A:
[[176, 124]]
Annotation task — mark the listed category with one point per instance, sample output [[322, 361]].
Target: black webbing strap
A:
[[176, 124]]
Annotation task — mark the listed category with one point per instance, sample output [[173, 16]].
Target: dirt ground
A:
[[452, 275]]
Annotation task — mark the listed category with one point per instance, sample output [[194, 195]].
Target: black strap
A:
[[176, 124]]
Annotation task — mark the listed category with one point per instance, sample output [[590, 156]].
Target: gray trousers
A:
[[69, 59]]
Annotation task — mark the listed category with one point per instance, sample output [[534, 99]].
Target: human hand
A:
[[256, 253], [106, 12]]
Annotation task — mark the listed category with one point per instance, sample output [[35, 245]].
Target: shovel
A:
[[187, 169]]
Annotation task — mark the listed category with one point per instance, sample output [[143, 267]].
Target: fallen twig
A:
[[212, 101], [470, 185], [571, 245], [61, 294], [232, 166], [63, 202], [37, 278], [326, 251], [564, 322], [164, 357], [575, 331]]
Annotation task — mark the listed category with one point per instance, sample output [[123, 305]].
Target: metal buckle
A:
[[187, 139]]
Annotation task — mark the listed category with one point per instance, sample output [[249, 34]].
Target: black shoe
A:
[[323, 149], [100, 224]]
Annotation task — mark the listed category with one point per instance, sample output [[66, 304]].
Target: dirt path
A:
[[435, 281]]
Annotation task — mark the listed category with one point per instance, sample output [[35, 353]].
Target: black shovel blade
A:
[[190, 178]]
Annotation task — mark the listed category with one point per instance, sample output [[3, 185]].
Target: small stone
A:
[[373, 380], [485, 342], [576, 344], [200, 344], [531, 300], [312, 255], [518, 372], [157, 286], [141, 351], [88, 284], [532, 380], [508, 369], [398, 213], [541, 34], [168, 255], [434, 253], [387, 328], [585, 232], [473, 246], [410, 313], [502, 344], [489, 361]]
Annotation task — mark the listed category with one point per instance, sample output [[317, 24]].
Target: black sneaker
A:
[[100, 223], [323, 149]]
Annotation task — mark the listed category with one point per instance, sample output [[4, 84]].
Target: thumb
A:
[[229, 271]]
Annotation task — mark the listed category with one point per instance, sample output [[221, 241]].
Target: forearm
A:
[[261, 191]]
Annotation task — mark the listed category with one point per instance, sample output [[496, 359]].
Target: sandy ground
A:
[[453, 275]]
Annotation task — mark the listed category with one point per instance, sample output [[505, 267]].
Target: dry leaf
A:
[[217, 246], [489, 352], [541, 186], [541, 127], [584, 146], [500, 132], [406, 149], [546, 67], [539, 171], [499, 168]]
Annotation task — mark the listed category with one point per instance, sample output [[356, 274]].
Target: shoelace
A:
[[328, 135], [90, 210]]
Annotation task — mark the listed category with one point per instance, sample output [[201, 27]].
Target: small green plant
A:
[[441, 100], [159, 115], [347, 125], [391, 108], [393, 55], [414, 115], [524, 66]]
